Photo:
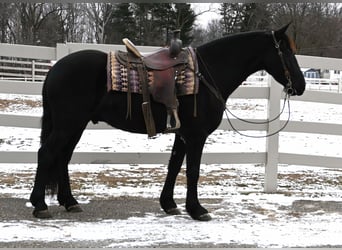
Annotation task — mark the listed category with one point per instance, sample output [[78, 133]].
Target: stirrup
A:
[[172, 126]]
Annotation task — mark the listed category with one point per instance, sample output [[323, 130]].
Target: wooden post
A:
[[272, 143]]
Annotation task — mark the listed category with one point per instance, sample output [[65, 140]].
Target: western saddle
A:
[[163, 63]]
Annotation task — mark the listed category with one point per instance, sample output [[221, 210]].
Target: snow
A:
[[253, 218], [242, 213], [141, 232]]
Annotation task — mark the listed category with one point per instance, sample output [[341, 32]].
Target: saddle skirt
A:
[[123, 76]]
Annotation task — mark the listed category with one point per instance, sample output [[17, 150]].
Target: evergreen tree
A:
[[164, 21], [121, 24], [155, 22], [184, 20], [143, 17]]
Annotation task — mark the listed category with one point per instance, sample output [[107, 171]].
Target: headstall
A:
[[288, 88]]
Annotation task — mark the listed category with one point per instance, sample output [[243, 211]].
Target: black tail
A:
[[46, 130], [46, 122]]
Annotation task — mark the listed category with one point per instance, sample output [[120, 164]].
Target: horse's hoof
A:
[[173, 211], [203, 217], [42, 214], [74, 209]]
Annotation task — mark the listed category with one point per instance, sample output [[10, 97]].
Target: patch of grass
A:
[[5, 104]]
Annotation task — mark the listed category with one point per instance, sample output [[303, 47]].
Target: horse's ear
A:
[[282, 30]]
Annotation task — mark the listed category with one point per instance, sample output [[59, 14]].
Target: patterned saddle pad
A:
[[186, 82]]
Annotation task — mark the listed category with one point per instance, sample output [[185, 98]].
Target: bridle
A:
[[288, 89]]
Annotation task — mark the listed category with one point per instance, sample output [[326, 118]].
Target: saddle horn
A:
[[176, 44]]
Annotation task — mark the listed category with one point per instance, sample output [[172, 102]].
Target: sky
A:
[[204, 18]]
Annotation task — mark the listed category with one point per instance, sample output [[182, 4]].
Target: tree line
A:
[[48, 23], [316, 27]]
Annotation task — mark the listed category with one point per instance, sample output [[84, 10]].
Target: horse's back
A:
[[79, 68]]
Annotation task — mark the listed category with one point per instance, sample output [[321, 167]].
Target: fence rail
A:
[[271, 158], [19, 69]]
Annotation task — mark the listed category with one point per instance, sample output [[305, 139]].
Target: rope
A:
[[286, 100]]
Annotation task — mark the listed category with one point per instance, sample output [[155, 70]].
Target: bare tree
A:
[[316, 27], [74, 22], [31, 17], [99, 15], [6, 11]]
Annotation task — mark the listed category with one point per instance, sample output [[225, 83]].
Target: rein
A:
[[286, 101], [287, 89]]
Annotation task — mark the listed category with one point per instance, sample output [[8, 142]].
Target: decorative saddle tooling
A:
[[157, 74]]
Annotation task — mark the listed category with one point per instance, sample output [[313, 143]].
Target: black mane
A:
[[233, 38]]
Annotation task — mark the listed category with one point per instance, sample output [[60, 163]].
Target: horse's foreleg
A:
[[194, 147], [176, 160]]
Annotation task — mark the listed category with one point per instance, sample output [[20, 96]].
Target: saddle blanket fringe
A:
[[185, 79]]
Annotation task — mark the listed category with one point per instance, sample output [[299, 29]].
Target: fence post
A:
[[33, 70], [272, 143]]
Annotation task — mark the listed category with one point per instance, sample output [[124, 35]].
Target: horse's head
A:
[[282, 64]]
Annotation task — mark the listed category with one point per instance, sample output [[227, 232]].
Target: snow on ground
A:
[[306, 211], [299, 215], [153, 230]]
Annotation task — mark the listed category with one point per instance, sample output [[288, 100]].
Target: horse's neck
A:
[[232, 64]]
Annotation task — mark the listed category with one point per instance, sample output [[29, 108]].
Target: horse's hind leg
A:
[[53, 157], [176, 160], [64, 196], [46, 175]]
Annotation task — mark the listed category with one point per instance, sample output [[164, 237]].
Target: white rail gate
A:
[[272, 157]]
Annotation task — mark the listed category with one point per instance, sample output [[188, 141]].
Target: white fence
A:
[[23, 70], [271, 158]]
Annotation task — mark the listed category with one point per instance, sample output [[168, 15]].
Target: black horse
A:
[[75, 93]]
